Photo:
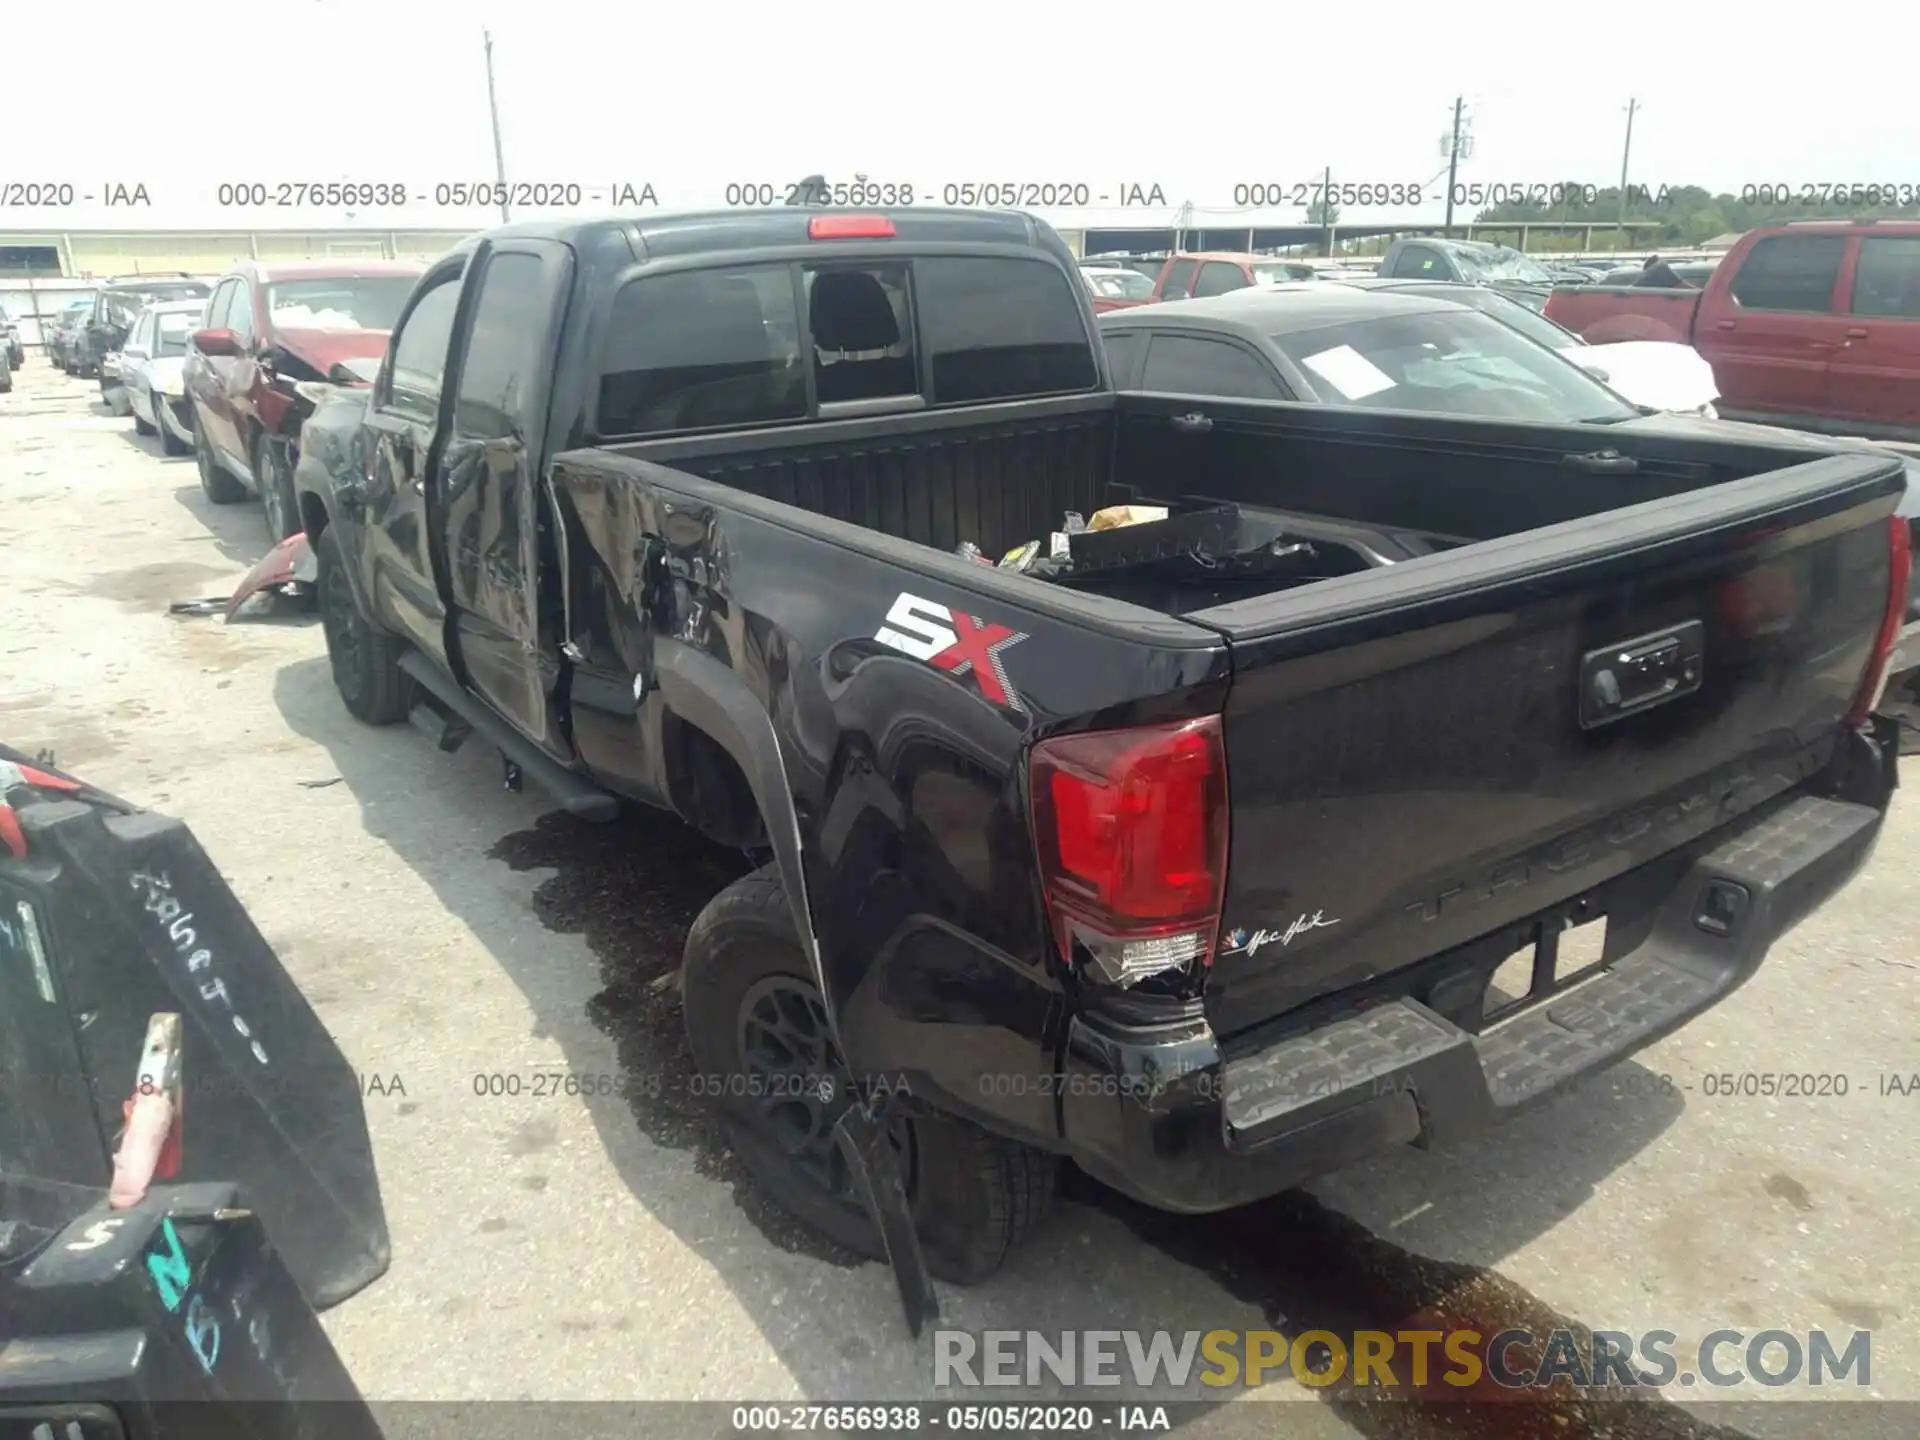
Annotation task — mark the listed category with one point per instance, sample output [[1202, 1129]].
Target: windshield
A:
[[1500, 262], [172, 330], [1281, 274], [1524, 318], [1449, 362], [370, 302], [1120, 284]]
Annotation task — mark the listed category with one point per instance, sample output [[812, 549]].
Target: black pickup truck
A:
[[1197, 878]]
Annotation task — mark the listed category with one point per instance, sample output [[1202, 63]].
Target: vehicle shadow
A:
[[1295, 1262], [238, 532]]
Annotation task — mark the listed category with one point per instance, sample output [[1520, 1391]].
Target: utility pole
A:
[[493, 108], [1626, 153], [1456, 145], [1326, 213]]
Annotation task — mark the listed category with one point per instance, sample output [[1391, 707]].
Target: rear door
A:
[[1772, 335], [1875, 375], [487, 502], [403, 575]]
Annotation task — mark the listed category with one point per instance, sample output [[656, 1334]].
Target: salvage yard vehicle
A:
[[1115, 287], [1196, 873], [152, 372], [11, 342], [1814, 324], [1215, 272], [68, 325], [1469, 262], [111, 314], [1454, 349], [269, 328]]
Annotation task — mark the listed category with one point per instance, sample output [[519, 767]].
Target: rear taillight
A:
[[1899, 576], [1131, 827], [850, 227]]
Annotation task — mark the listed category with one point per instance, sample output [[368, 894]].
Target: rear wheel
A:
[[276, 489], [141, 427], [763, 1048], [365, 660], [220, 487]]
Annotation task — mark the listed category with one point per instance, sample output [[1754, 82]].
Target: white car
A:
[[151, 372], [1660, 374]]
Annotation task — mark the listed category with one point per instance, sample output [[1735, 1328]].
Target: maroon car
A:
[[267, 328]]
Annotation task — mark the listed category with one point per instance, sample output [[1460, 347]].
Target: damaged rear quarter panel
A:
[[903, 780]]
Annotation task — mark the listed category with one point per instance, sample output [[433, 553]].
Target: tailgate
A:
[[1608, 314], [1422, 755]]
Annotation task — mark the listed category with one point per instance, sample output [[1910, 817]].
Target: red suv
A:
[[268, 327]]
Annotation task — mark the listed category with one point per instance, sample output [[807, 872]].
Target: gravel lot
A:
[[574, 1248]]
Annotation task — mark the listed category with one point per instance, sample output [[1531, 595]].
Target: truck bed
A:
[[1408, 743]]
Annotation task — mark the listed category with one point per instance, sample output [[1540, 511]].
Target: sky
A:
[[689, 98]]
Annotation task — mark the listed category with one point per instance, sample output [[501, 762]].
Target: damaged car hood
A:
[[323, 349]]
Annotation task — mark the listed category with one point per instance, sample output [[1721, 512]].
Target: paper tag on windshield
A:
[[1355, 376]]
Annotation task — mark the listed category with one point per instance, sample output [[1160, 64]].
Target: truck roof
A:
[[659, 233]]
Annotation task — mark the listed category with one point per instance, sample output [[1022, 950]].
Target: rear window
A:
[[368, 302], [705, 349], [174, 327]]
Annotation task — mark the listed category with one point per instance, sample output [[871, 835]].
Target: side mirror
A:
[[1596, 372], [223, 343]]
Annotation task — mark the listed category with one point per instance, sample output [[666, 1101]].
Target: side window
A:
[[239, 318], [1189, 365], [999, 329], [1790, 272], [1886, 280], [1420, 262], [1123, 349], [1217, 277], [503, 347], [702, 348], [1179, 281], [419, 348]]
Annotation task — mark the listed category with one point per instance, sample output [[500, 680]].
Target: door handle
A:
[[1857, 332], [1193, 423], [1723, 324]]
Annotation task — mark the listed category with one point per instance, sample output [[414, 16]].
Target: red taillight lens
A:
[[1131, 827], [850, 227], [1899, 576]]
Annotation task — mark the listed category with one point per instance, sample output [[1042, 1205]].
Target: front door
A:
[[1772, 348], [401, 575], [487, 498]]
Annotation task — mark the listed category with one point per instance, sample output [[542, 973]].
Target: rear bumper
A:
[[1180, 1122]]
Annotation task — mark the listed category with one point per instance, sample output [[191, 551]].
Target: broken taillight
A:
[[850, 227], [1899, 576], [1131, 827]]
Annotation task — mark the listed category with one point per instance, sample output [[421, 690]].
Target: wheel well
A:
[[313, 515], [708, 788]]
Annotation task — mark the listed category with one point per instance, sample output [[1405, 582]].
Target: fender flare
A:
[[706, 694]]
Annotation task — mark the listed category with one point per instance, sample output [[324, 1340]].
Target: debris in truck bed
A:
[[1116, 516]]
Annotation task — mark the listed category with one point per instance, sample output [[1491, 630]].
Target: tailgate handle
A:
[[1633, 675], [1857, 332], [1193, 423], [1603, 462]]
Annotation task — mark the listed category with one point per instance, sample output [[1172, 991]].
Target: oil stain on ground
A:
[[632, 889]]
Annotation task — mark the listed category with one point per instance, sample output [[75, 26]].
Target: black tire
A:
[[975, 1196], [140, 427], [170, 443], [365, 658], [220, 487], [276, 489]]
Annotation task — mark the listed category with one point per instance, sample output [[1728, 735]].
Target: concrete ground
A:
[[610, 1247]]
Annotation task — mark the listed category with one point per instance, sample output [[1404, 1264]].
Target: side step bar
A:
[[577, 795]]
